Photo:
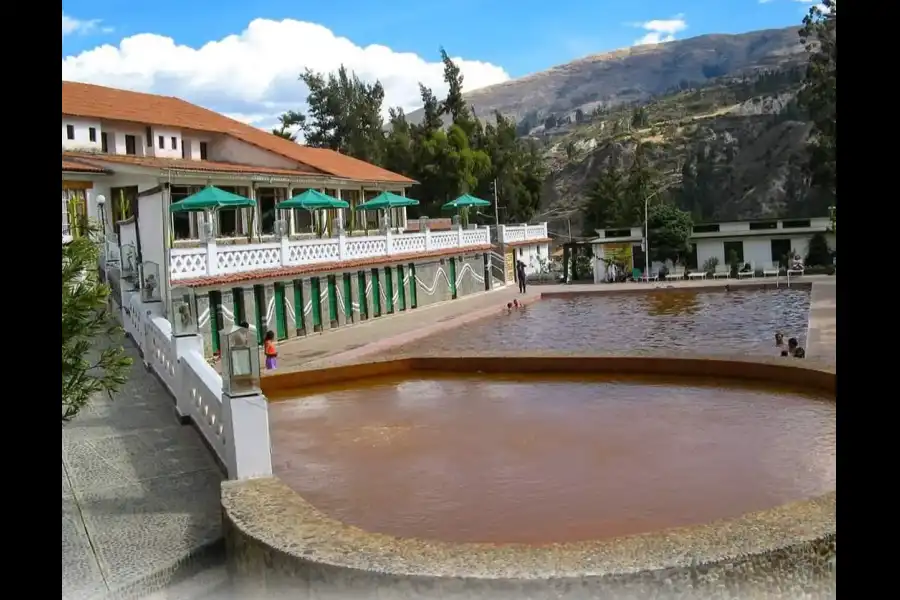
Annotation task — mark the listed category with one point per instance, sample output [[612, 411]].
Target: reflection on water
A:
[[549, 459], [743, 321]]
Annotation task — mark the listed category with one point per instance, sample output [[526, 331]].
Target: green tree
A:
[[669, 230], [85, 319], [819, 95], [605, 201], [288, 123], [818, 253], [455, 104]]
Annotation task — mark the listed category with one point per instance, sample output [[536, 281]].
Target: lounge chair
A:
[[697, 275], [796, 270], [653, 276], [672, 276], [722, 271], [751, 273], [773, 270]]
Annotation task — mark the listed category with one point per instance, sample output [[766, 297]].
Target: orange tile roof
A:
[[77, 167], [98, 102], [186, 165]]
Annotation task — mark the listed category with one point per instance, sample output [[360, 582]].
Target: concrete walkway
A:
[[821, 338], [140, 495]]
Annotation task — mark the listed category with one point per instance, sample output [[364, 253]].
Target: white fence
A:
[[512, 234], [211, 259], [244, 448]]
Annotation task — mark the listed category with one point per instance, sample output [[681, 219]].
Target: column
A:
[[255, 233], [342, 300], [396, 284], [289, 318], [354, 297], [250, 307], [228, 315], [370, 292], [404, 286], [290, 214], [340, 211], [269, 308], [204, 321], [324, 309], [306, 309]]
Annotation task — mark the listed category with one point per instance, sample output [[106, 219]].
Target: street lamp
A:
[[101, 205]]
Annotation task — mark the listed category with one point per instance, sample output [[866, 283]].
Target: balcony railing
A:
[[211, 259], [516, 234]]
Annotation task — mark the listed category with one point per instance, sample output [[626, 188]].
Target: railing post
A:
[[501, 234], [184, 345], [459, 235], [342, 245], [285, 250], [389, 237], [248, 451], [427, 238], [212, 260]]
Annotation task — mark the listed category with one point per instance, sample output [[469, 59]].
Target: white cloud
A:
[[253, 75], [661, 30], [72, 25]]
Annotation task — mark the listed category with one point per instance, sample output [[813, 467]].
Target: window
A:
[[229, 222], [130, 145], [70, 132], [616, 233], [202, 150], [760, 225], [162, 142], [734, 251], [104, 142], [184, 224], [92, 134], [149, 136], [174, 143], [795, 224], [706, 228], [266, 199], [692, 257]]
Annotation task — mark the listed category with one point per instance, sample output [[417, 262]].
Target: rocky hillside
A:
[[636, 74], [730, 149]]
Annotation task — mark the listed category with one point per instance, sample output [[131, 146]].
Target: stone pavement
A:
[[821, 337], [140, 495]]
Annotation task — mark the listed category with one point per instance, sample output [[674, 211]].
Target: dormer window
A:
[[70, 132]]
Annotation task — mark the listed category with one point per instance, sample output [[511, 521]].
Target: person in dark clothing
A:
[[795, 349], [520, 275]]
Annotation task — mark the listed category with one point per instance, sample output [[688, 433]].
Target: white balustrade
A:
[[243, 448], [516, 234], [213, 259]]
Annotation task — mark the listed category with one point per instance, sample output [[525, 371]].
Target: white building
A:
[[759, 243], [291, 271], [527, 243]]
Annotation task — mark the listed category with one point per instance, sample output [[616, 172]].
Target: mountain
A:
[[635, 74]]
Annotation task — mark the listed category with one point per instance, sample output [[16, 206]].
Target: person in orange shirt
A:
[[269, 350]]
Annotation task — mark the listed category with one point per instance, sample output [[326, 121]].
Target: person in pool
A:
[[795, 349], [779, 340], [509, 307]]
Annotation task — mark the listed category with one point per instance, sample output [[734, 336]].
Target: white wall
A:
[[757, 250], [150, 228], [531, 255], [167, 151], [226, 149], [82, 139]]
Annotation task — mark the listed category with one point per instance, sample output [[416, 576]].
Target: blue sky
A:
[[516, 37]]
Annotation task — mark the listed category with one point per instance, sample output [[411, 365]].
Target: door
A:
[[453, 278], [315, 293], [781, 252], [259, 296], [332, 300], [389, 288], [413, 299], [215, 322], [376, 294], [361, 294], [299, 304], [401, 294], [348, 304], [280, 316]]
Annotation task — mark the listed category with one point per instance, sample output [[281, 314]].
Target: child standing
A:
[[269, 350]]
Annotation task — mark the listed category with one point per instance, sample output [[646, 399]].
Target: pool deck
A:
[[390, 332], [821, 337]]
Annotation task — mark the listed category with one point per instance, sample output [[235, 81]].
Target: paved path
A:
[[821, 338], [140, 493]]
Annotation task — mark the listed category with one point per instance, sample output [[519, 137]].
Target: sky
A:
[[243, 58]]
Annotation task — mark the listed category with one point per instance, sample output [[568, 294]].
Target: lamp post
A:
[[101, 206]]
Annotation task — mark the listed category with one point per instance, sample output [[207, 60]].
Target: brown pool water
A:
[[743, 321], [487, 459]]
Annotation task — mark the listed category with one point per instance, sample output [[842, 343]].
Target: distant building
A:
[[760, 243]]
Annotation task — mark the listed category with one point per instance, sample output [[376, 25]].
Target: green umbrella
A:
[[211, 198], [312, 200], [386, 200], [465, 201]]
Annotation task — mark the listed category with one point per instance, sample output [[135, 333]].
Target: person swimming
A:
[[779, 339], [795, 349], [509, 307]]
